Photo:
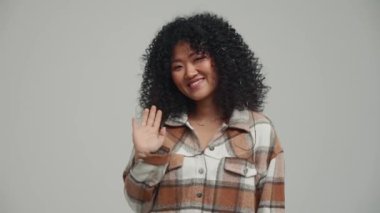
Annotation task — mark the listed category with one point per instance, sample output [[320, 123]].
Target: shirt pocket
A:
[[238, 180], [240, 167], [175, 162], [174, 169]]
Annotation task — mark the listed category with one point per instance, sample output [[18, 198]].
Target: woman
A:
[[202, 144]]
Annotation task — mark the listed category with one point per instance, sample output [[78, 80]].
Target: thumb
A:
[[134, 123], [163, 131], [162, 134]]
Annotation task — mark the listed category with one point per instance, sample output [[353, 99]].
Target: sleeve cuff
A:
[[151, 169], [158, 158]]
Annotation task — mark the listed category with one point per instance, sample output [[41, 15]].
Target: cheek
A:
[[213, 75], [214, 81], [210, 66], [176, 80]]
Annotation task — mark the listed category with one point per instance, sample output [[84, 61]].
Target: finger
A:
[[134, 123], [134, 127], [145, 117], [163, 131], [157, 120], [152, 115], [162, 135]]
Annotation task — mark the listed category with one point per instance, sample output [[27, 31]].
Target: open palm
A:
[[148, 137]]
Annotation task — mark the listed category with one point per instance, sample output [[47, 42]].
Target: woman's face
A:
[[193, 73]]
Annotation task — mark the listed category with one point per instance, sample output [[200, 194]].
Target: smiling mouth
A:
[[194, 84]]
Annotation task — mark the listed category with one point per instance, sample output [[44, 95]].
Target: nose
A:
[[191, 71]]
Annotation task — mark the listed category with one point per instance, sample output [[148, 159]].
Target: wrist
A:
[[157, 157]]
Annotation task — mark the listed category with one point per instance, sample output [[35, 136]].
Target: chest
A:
[[206, 134], [199, 177]]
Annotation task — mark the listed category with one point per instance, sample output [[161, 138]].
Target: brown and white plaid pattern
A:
[[242, 170]]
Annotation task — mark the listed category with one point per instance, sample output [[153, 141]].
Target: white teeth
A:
[[195, 83]]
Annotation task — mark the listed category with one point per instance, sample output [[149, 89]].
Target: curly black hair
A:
[[240, 82]]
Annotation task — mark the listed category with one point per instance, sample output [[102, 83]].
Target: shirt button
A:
[[199, 194], [245, 171], [211, 148], [201, 171]]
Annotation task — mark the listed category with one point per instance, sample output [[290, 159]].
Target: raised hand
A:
[[147, 136]]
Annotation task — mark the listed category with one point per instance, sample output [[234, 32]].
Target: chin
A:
[[198, 97]]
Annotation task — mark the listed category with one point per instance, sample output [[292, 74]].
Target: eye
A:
[[176, 67], [200, 57]]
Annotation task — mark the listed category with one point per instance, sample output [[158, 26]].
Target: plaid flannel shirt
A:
[[241, 170]]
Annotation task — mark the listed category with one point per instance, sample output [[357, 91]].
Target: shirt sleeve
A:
[[141, 178], [271, 188]]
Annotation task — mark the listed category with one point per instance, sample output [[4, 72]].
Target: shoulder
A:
[[252, 121], [264, 133], [261, 118]]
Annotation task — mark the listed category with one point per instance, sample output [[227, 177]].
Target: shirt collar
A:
[[177, 121], [240, 119]]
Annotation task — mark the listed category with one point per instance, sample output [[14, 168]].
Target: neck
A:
[[206, 110]]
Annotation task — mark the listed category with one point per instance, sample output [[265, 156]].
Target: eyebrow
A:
[[190, 55]]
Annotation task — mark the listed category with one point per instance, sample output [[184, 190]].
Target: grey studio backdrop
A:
[[70, 74]]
